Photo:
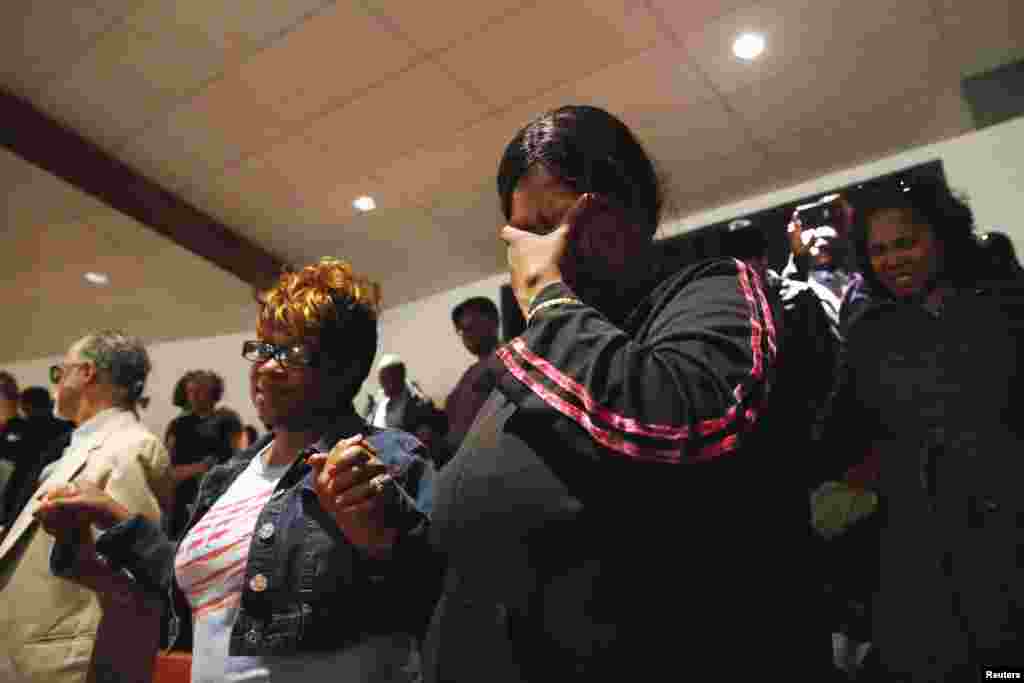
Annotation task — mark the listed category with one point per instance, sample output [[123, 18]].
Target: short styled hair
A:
[[329, 304], [216, 382], [480, 304], [589, 150], [121, 360], [211, 378]]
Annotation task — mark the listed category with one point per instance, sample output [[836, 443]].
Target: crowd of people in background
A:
[[684, 467]]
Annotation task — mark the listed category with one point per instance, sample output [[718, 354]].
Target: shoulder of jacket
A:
[[706, 268], [142, 442]]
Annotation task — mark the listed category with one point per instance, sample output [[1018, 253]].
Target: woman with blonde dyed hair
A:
[[305, 557]]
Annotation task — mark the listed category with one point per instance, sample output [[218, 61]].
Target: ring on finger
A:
[[379, 483]]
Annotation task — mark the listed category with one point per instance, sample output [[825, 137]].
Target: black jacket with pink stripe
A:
[[604, 517]]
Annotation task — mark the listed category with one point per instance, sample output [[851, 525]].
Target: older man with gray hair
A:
[[399, 404], [62, 619]]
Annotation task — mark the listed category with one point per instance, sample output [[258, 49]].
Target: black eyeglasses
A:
[[291, 356], [57, 372]]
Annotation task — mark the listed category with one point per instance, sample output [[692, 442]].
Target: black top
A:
[[188, 447], [603, 517], [29, 444], [933, 394]]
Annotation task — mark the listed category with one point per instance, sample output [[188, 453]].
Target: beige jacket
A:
[[97, 627]]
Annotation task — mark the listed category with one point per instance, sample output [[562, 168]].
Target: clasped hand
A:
[[78, 505], [356, 489]]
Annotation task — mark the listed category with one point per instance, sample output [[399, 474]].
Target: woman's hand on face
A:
[[355, 488], [535, 261], [77, 505], [595, 245]]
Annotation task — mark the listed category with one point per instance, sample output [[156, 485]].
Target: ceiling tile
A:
[[434, 25], [472, 213], [452, 165], [229, 120], [801, 36], [789, 28], [982, 35], [39, 40], [692, 185], [168, 59], [33, 198], [849, 82], [504, 63], [238, 32], [643, 89], [326, 60], [418, 178], [414, 254], [242, 113], [419, 105], [254, 199], [696, 132], [686, 18], [335, 206]]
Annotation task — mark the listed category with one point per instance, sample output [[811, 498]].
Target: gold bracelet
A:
[[549, 303], [540, 291]]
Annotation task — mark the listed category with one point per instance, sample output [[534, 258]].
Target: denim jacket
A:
[[317, 591]]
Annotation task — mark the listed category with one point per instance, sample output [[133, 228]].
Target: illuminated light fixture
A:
[[748, 46], [364, 204], [99, 279]]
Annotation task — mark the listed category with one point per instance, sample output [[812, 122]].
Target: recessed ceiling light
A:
[[748, 46], [364, 204], [94, 278]]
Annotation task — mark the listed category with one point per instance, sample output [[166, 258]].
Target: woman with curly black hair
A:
[[927, 387]]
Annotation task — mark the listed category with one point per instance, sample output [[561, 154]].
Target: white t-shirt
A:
[[380, 413], [210, 568]]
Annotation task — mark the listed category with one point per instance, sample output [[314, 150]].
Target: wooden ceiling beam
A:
[[43, 142]]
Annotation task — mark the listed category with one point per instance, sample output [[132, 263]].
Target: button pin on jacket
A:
[[258, 583], [266, 531]]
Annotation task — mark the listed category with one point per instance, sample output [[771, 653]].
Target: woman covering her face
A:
[[930, 370], [603, 517], [304, 558]]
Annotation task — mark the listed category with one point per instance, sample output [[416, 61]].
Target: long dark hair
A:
[[589, 150]]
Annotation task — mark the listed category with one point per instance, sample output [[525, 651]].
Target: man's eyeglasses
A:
[[57, 372], [291, 356]]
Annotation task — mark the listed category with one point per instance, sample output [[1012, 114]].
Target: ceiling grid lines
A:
[[271, 119], [264, 44], [680, 45], [114, 23]]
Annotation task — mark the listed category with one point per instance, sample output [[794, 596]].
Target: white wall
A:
[[421, 332], [987, 165]]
